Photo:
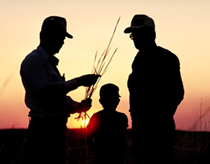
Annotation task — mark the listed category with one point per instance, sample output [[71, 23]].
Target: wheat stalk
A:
[[99, 68]]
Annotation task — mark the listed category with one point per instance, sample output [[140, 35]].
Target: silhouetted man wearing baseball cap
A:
[[46, 96], [156, 89]]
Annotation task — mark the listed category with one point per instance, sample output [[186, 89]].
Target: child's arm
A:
[[91, 133], [90, 142]]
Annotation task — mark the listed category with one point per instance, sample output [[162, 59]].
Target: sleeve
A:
[[72, 105], [177, 90], [71, 84]]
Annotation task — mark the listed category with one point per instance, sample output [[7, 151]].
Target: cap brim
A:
[[132, 28], [69, 35]]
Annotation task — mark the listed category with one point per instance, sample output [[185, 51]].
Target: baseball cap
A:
[[55, 25], [109, 90], [140, 21]]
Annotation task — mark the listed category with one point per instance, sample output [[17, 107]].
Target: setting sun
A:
[[84, 122]]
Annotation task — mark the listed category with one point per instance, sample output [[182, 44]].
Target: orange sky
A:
[[182, 26]]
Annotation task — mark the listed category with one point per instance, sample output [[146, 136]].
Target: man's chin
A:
[[56, 51]]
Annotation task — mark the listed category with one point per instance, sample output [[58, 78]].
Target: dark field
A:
[[189, 148]]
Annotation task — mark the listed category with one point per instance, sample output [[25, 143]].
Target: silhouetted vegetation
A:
[[189, 148]]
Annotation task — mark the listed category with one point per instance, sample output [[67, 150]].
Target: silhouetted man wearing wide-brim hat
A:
[[156, 89], [46, 95]]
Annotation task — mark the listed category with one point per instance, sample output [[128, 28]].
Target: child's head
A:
[[109, 96]]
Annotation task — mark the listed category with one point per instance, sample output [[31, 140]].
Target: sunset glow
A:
[[181, 27], [84, 122]]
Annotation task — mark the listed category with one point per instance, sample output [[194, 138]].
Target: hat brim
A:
[[69, 35], [132, 28]]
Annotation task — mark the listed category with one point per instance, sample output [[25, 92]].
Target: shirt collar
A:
[[149, 50], [46, 56]]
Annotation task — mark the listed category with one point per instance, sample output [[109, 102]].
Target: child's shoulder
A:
[[121, 115], [104, 114], [97, 114], [122, 119]]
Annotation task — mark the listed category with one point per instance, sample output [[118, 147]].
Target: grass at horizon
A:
[[189, 148]]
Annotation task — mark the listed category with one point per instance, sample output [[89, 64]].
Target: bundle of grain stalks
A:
[[100, 66]]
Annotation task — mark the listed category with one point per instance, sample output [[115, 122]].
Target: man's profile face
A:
[[142, 37], [57, 42]]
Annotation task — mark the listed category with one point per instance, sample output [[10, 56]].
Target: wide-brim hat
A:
[[140, 21], [55, 25]]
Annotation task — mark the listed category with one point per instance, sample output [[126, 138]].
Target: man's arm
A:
[[76, 107], [176, 88], [35, 75]]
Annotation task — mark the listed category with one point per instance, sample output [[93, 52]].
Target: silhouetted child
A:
[[106, 131]]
